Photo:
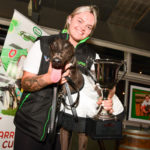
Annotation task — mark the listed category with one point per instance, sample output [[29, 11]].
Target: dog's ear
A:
[[73, 61]]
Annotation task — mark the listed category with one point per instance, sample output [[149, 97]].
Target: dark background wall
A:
[[54, 16]]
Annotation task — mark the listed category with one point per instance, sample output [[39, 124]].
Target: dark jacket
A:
[[34, 112]]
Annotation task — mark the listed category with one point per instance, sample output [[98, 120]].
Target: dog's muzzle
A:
[[57, 63]]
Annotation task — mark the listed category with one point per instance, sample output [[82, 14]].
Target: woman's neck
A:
[[73, 42]]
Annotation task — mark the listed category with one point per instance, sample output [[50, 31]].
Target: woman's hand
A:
[[107, 104], [66, 73]]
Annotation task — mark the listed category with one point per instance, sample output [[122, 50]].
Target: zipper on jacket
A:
[[24, 100], [46, 124]]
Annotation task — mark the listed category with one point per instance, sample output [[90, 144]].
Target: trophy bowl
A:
[[107, 76]]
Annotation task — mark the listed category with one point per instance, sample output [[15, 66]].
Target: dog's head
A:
[[61, 53]]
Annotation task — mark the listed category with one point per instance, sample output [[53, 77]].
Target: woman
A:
[[32, 117], [80, 25]]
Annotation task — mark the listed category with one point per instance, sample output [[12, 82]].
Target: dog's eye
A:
[[66, 45], [52, 46]]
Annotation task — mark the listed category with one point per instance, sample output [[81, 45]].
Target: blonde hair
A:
[[93, 9]]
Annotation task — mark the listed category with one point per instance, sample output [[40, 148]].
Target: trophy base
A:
[[105, 130], [104, 115]]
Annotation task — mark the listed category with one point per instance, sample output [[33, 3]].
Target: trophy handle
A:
[[124, 72]]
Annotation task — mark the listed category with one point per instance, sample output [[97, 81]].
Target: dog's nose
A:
[[56, 60], [56, 63]]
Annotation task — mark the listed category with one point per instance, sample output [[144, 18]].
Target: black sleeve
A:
[[121, 116]]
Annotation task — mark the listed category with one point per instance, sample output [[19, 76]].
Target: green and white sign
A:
[[20, 37]]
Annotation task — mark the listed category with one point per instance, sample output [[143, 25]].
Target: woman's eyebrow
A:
[[84, 21]]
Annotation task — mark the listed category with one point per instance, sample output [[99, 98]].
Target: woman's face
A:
[[80, 26]]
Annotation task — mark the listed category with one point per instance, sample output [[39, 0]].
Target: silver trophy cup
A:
[[107, 75]]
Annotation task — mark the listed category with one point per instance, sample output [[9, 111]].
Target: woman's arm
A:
[[33, 82]]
